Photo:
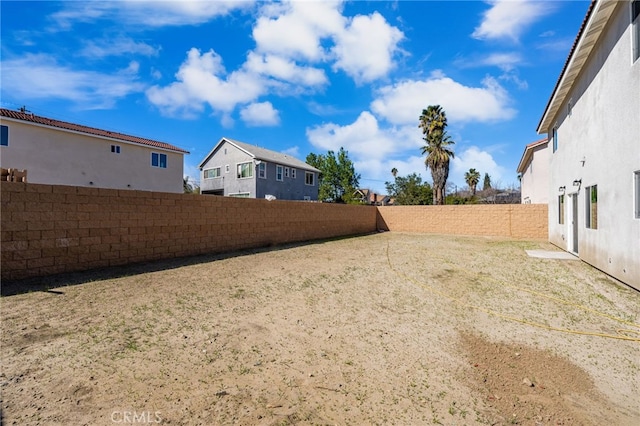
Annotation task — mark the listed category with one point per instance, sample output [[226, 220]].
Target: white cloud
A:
[[508, 19], [295, 29], [402, 103], [117, 47], [42, 77], [202, 79], [365, 48], [476, 158], [504, 61], [294, 151], [284, 69], [147, 13], [260, 114]]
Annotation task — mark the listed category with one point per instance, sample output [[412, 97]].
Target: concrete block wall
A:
[[528, 221], [48, 229]]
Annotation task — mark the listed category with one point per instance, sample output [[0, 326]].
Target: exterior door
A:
[[574, 222]]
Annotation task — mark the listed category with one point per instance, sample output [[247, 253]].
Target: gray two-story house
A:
[[238, 169]]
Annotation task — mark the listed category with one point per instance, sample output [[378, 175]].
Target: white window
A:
[[309, 178], [555, 139], [591, 211], [245, 170], [279, 172], [212, 173], [158, 160], [636, 177], [262, 170], [561, 209], [635, 31], [240, 195], [293, 173], [115, 149], [286, 172]]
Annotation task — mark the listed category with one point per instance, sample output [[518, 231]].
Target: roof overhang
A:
[[594, 23], [527, 155]]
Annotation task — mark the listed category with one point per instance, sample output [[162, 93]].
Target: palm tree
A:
[[433, 122], [394, 172], [472, 177]]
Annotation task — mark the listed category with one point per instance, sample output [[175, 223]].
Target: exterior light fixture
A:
[[577, 182], [562, 188]]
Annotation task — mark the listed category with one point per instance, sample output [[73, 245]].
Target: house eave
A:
[[595, 21]]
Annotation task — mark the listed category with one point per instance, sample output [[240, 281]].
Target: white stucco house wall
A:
[[61, 153], [593, 123], [533, 170]]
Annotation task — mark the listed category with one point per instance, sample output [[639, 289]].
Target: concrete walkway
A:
[[546, 254]]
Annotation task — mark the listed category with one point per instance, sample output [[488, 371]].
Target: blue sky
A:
[[297, 77]]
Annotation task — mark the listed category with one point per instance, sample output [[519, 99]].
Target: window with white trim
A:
[[286, 172], [561, 209], [262, 170], [555, 139], [115, 149], [158, 160], [293, 173], [279, 172], [636, 178], [212, 173], [591, 210], [245, 170], [309, 178]]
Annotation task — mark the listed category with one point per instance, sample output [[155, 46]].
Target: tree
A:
[[410, 190], [472, 177], [189, 187], [338, 179], [487, 182], [433, 122]]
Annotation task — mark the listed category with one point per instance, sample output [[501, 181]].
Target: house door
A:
[[574, 223]]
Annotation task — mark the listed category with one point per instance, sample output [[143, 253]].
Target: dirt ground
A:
[[387, 329]]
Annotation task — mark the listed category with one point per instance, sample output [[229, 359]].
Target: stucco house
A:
[[62, 153], [238, 169], [533, 171], [593, 123]]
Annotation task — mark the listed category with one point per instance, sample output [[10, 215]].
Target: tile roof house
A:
[[533, 171], [592, 121], [366, 196], [62, 153], [238, 169]]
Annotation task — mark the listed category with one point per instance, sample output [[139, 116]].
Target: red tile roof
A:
[[19, 115]]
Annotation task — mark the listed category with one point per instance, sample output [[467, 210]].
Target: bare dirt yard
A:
[[383, 329]]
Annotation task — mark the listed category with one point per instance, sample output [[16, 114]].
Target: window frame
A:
[[635, 30], [591, 207], [158, 160], [293, 173], [279, 173], [306, 178], [262, 170], [286, 171], [115, 149], [554, 136], [213, 169], [239, 172], [636, 178], [4, 135]]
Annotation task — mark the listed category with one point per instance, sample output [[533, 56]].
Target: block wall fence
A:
[[49, 229]]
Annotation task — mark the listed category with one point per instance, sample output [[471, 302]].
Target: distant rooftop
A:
[[50, 122]]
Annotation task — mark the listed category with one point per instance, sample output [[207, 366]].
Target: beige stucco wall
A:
[[599, 144], [534, 183], [66, 158]]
